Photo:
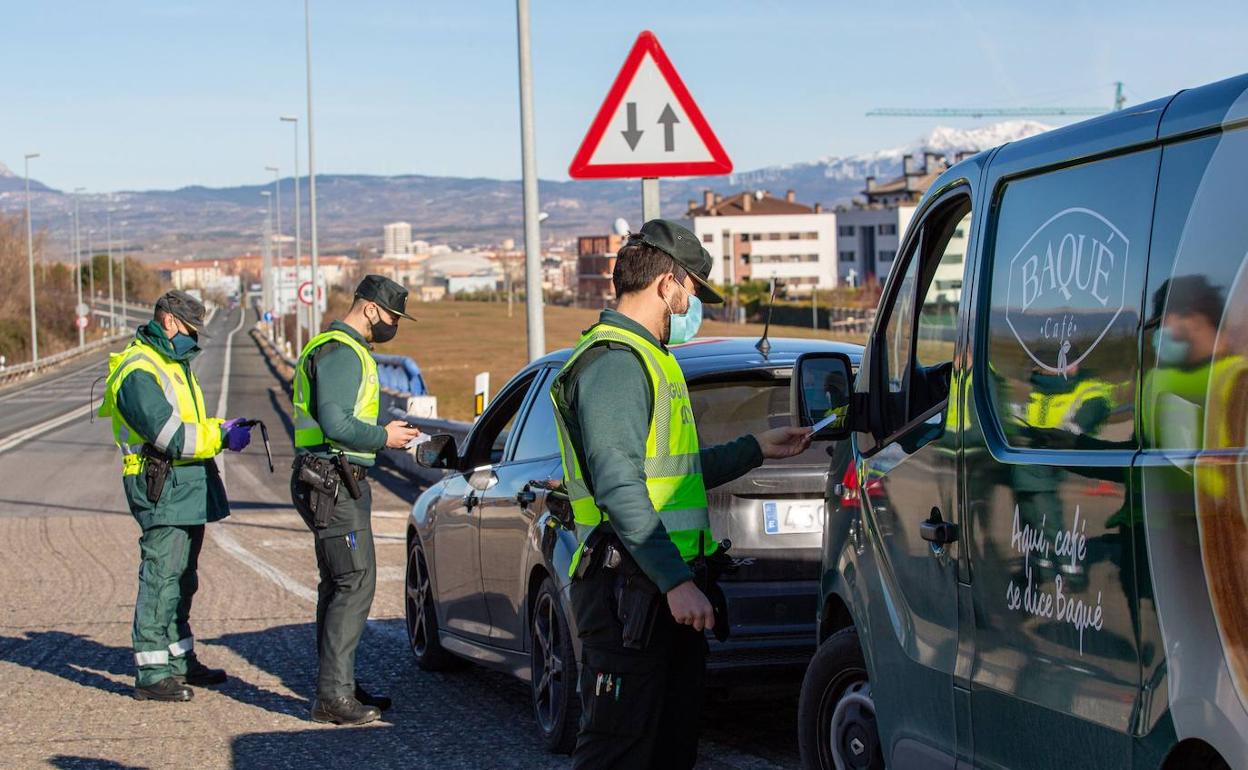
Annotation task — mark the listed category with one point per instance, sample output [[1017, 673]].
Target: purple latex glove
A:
[[235, 434]]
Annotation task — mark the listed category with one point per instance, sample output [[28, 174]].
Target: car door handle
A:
[[526, 497], [470, 501], [937, 530]]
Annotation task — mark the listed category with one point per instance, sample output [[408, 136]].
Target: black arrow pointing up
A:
[[632, 135], [668, 119]]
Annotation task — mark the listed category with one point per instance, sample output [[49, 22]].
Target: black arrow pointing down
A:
[[632, 135]]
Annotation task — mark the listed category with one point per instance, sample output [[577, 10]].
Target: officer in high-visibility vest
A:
[[637, 483], [167, 443], [337, 400]]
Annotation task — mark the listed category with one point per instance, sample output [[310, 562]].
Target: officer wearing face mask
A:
[[168, 442], [336, 399], [637, 483]]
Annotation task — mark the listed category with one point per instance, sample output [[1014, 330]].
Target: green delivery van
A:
[[1037, 554]]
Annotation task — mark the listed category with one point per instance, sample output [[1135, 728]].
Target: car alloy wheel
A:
[[418, 604], [548, 681]]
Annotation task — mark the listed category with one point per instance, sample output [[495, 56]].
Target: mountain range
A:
[[351, 208]]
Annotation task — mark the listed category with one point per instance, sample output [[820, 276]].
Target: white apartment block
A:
[[755, 236], [867, 241], [398, 237]]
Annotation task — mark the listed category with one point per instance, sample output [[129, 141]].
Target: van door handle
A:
[[526, 497], [937, 530]]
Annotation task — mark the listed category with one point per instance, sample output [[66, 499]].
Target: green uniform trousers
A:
[[168, 579], [347, 564], [639, 708]]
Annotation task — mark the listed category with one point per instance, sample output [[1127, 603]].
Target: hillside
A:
[[211, 222]]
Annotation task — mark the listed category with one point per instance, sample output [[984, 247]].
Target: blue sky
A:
[[140, 94]]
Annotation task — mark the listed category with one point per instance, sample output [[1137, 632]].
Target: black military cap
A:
[[185, 308], [684, 247], [385, 292]]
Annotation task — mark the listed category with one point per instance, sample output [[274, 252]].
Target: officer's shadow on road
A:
[[72, 657], [85, 662]]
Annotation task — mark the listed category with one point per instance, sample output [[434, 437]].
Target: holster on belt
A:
[[636, 596], [322, 479], [156, 465]]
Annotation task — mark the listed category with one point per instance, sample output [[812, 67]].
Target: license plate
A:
[[780, 518]]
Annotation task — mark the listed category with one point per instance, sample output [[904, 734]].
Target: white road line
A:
[[220, 532], [222, 537], [20, 437]]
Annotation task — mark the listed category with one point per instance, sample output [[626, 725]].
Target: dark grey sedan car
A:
[[489, 545]]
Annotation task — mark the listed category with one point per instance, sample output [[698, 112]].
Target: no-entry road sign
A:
[[649, 125]]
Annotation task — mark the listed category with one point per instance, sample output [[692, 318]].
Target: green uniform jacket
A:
[[607, 411], [193, 493], [334, 375]]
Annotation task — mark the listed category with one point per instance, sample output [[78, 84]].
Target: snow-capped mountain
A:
[[4, 171], [843, 176]]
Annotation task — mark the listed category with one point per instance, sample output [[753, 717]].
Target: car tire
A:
[[422, 617], [837, 729], [556, 703]]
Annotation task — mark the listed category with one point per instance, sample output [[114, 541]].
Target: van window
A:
[[1067, 268], [1195, 381], [914, 346]]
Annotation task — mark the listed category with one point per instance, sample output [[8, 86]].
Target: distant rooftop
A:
[[751, 203]]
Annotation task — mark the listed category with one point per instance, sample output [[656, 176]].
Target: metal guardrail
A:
[[23, 371]]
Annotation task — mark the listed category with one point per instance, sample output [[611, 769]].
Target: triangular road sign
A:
[[649, 125]]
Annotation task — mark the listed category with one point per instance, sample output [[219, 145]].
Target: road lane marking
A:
[[224, 398], [226, 541], [22, 436]]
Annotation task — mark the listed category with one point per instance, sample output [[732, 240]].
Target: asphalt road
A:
[[69, 580]]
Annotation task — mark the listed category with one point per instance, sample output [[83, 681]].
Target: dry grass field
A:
[[453, 341]]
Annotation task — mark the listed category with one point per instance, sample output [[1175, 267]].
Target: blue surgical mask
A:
[[684, 326], [183, 343], [1170, 352]]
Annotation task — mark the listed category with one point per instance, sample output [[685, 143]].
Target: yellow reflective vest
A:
[[673, 463], [308, 432]]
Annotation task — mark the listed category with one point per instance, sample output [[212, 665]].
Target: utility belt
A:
[[637, 598], [156, 465], [324, 477]]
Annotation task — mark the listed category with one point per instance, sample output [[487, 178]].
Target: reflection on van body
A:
[[1052, 567]]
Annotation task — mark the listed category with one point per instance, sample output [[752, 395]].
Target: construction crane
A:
[[995, 112]]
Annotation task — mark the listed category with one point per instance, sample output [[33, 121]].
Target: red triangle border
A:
[[580, 168]]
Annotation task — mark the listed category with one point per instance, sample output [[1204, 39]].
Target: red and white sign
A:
[[82, 321], [305, 292], [649, 125]]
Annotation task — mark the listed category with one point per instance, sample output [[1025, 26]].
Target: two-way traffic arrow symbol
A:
[[668, 119], [632, 135]]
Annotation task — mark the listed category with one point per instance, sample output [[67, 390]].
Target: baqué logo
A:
[[1067, 285]]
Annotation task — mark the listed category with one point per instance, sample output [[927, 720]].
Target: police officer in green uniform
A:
[[336, 402], [637, 483], [172, 485]]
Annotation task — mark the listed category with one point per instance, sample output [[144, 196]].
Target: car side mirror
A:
[[821, 394], [438, 453]]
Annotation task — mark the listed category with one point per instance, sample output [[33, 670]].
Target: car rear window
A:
[[726, 410]]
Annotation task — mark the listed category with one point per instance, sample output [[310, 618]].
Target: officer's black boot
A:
[[199, 675], [167, 689], [345, 710], [380, 702]]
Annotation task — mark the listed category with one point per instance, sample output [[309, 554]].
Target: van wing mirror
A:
[[822, 395], [438, 453]]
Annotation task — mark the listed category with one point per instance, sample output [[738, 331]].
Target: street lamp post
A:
[[315, 312], [266, 260], [30, 264], [277, 241], [298, 238], [528, 152], [125, 317], [82, 331], [112, 307]]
